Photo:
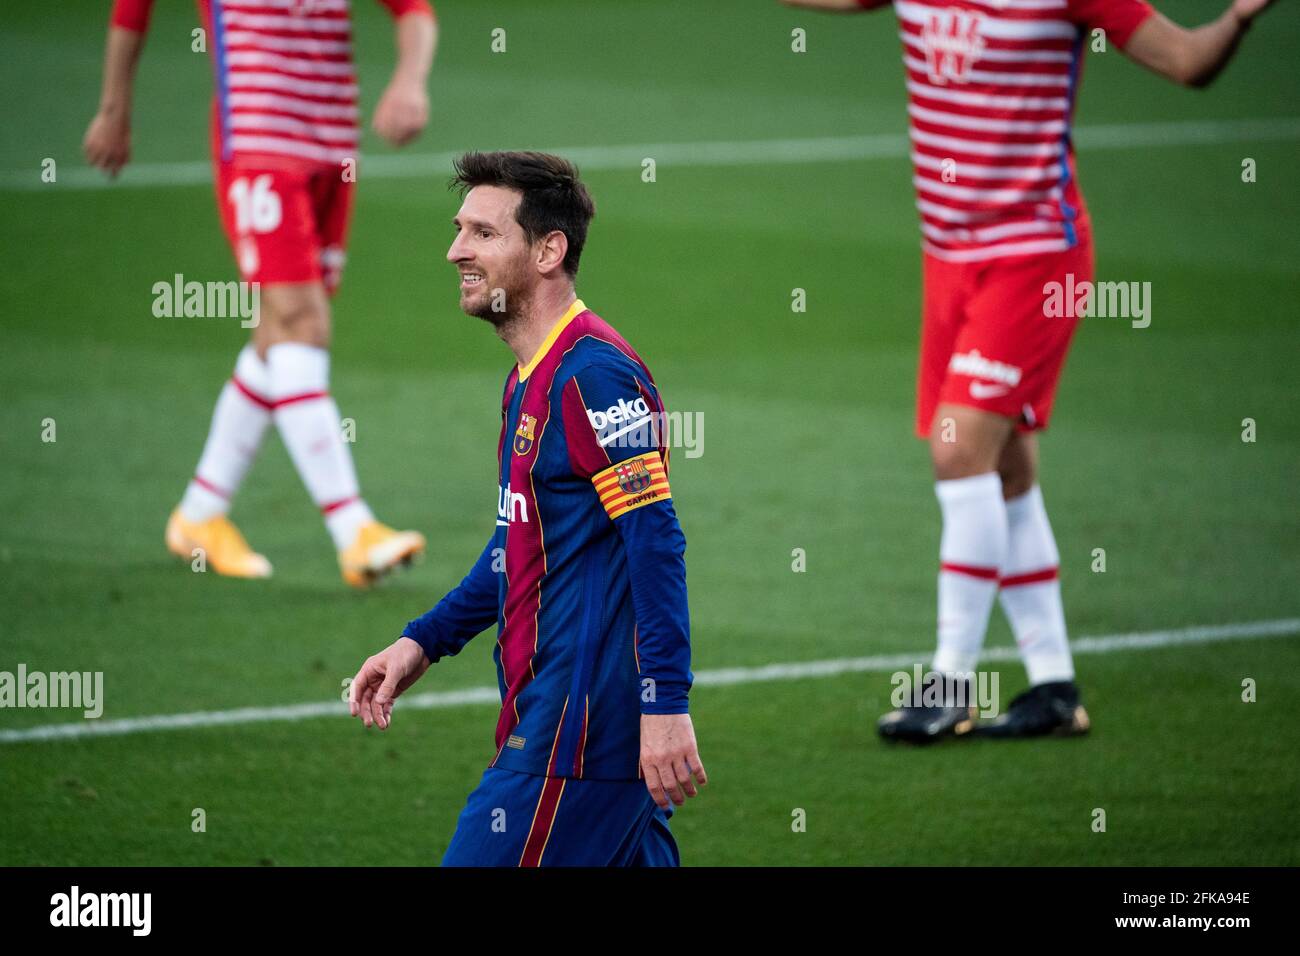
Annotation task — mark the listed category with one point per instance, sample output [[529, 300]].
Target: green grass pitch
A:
[[807, 444]]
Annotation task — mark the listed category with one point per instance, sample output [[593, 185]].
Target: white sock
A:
[[1031, 591], [972, 550], [309, 423], [238, 423]]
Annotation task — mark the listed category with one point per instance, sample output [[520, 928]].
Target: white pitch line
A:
[[713, 678], [822, 149]]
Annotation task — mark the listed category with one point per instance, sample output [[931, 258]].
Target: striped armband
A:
[[628, 485]]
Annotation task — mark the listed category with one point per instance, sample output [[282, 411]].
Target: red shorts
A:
[[285, 223], [985, 341]]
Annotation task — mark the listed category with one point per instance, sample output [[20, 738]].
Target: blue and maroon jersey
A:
[[585, 575]]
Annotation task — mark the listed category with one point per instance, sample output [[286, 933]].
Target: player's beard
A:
[[503, 298]]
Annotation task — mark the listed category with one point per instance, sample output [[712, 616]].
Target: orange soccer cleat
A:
[[377, 550], [224, 548]]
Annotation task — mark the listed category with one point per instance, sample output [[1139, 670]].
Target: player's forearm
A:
[[121, 55], [1210, 47], [417, 41], [653, 539], [465, 612], [1189, 57]]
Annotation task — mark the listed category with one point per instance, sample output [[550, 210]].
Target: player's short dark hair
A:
[[554, 198]]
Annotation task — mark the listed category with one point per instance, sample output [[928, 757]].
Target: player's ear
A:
[[551, 250]]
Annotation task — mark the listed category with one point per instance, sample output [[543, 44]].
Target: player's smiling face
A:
[[491, 254]]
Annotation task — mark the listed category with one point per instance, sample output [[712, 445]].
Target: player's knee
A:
[[1017, 478], [1018, 466], [957, 459], [299, 319]]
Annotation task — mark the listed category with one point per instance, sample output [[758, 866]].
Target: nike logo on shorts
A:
[[985, 390]]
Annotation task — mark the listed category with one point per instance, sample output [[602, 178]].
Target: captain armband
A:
[[630, 484]]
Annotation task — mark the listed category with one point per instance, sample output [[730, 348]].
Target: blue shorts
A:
[[521, 819]]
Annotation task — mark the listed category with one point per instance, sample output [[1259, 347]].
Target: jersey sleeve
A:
[[463, 614], [1119, 18], [131, 15], [400, 8], [613, 436], [865, 5]]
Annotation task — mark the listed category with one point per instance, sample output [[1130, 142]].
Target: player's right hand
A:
[[107, 144], [670, 758], [383, 678]]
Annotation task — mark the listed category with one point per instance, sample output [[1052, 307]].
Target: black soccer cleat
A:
[[1051, 708], [922, 723]]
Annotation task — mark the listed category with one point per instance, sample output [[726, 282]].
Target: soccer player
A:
[[584, 574], [284, 143], [992, 87]]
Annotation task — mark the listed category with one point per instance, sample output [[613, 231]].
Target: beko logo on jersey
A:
[[625, 411], [977, 366], [511, 507]]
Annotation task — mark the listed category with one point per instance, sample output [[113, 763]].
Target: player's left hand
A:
[[1247, 10], [670, 759], [402, 112], [382, 679]]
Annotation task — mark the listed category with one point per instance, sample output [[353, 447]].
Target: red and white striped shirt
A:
[[285, 83], [991, 91]]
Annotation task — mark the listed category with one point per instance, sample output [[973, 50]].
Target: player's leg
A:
[[601, 823], [965, 448], [526, 820], [657, 846], [239, 423], [1030, 589], [499, 818], [374, 549], [966, 438], [1031, 598], [294, 337]]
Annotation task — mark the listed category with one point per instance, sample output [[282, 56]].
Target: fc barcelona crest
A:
[[634, 477], [524, 434]]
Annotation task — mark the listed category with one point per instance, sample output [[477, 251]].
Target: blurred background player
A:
[[284, 140], [992, 87], [584, 574]]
